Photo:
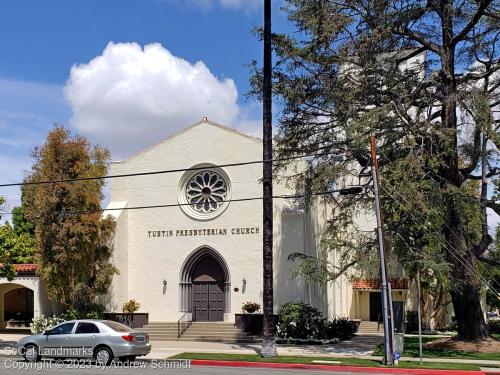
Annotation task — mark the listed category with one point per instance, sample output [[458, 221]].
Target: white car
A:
[[102, 340]]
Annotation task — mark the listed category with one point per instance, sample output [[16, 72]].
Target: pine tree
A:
[[423, 77]]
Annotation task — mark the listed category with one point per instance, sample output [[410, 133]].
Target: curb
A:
[[330, 368]]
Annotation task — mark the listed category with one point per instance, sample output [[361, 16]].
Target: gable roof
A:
[[203, 121]]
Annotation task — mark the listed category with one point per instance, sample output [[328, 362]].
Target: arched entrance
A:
[[205, 286], [18, 305]]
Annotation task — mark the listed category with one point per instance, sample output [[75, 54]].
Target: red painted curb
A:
[[331, 368]]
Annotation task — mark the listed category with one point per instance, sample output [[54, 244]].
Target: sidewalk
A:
[[359, 347], [351, 349]]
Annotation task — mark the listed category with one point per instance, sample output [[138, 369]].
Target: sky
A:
[[67, 62]]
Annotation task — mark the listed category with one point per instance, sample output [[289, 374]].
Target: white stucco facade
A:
[[155, 246]]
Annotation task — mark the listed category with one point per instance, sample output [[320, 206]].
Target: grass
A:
[[344, 361], [411, 349], [496, 335]]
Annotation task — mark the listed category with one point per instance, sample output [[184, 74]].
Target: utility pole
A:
[[386, 297], [268, 339], [419, 310]]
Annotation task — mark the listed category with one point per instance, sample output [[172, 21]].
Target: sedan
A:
[[102, 340]]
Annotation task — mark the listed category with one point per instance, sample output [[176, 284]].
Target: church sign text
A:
[[204, 232]]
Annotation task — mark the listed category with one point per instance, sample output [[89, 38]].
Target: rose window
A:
[[206, 191]]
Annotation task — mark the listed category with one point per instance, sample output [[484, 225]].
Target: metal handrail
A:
[[183, 324]]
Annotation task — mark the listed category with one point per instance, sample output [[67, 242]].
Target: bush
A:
[[89, 311], [250, 307], [131, 306], [341, 328], [86, 311], [44, 323], [494, 326], [300, 321]]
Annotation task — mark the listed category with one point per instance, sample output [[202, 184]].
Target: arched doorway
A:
[[18, 306], [205, 286]]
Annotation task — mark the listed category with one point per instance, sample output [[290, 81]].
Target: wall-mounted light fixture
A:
[[164, 286], [243, 285]]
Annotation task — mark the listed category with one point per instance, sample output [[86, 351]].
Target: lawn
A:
[[411, 350], [344, 361]]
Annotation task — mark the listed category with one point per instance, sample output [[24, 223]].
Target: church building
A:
[[198, 250], [188, 243]]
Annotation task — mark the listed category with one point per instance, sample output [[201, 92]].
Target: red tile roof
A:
[[375, 284], [24, 268]]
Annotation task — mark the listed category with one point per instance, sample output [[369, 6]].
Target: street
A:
[[15, 365]]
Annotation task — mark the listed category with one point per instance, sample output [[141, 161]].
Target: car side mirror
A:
[[46, 333]]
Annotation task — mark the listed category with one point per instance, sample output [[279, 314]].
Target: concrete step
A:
[[199, 331]]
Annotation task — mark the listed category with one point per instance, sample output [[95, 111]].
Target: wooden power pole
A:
[[268, 339], [385, 288]]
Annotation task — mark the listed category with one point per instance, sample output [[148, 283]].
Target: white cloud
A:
[[211, 4], [240, 3], [130, 97]]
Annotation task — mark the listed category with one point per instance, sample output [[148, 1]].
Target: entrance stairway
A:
[[198, 331], [370, 328]]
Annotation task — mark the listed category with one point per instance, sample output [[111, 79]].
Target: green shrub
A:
[[86, 311], [341, 328], [300, 321], [250, 307], [131, 306], [89, 311], [494, 326], [44, 323]]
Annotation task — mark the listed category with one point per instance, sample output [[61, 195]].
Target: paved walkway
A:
[[357, 346]]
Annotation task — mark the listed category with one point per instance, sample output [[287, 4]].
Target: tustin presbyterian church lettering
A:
[[203, 232]]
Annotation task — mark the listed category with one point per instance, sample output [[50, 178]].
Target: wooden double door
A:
[[208, 301]]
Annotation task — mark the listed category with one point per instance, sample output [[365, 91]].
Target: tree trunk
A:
[[465, 293], [468, 312]]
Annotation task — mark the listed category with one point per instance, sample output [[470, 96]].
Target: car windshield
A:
[[118, 327]]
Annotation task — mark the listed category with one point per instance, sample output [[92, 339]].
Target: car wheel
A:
[[103, 356], [31, 353]]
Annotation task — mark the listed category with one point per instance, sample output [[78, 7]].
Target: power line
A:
[[451, 249], [166, 171], [83, 212], [481, 265]]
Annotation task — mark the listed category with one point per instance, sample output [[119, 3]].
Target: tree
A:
[[74, 243], [17, 244], [423, 77], [21, 223], [18, 248]]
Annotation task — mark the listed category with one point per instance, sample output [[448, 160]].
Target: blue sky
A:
[[207, 40], [67, 62]]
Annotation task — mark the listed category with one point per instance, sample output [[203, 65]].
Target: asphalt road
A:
[[18, 366]]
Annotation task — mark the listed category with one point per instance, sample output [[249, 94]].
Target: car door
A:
[[84, 339], [57, 340]]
